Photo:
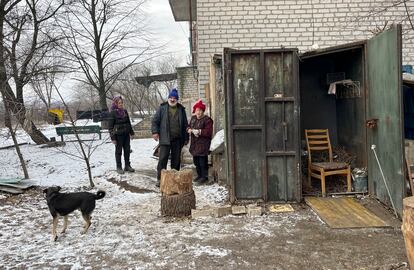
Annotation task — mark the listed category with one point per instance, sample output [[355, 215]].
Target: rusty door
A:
[[384, 103], [262, 124]]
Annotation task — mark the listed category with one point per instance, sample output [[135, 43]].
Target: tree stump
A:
[[178, 205], [176, 182], [177, 194], [408, 228]]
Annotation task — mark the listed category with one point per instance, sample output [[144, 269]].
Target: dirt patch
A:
[[128, 187]]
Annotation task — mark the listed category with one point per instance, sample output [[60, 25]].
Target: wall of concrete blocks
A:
[[188, 87], [248, 24]]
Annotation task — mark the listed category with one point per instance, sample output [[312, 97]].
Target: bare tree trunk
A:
[[8, 123], [18, 109], [84, 155]]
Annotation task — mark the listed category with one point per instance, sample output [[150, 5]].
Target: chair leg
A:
[[323, 183], [348, 180], [309, 178]]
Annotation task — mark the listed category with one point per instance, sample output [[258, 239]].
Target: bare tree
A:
[[382, 15], [167, 65], [84, 148], [105, 38], [141, 98], [86, 97], [43, 83], [12, 130], [25, 39]]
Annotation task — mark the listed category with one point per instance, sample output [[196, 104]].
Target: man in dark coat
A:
[[169, 128]]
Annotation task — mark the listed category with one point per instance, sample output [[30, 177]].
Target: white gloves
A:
[[196, 132]]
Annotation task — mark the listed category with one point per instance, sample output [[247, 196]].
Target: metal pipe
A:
[[383, 178]]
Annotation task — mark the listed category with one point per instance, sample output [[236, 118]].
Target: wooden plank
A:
[[318, 148], [344, 212], [317, 142], [12, 146], [280, 208], [312, 131]]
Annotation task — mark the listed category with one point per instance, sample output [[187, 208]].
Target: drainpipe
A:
[[191, 33], [191, 46]]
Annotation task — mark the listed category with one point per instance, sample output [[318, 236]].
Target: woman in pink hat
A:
[[201, 131]]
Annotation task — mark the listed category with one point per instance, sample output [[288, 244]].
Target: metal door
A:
[[262, 124], [385, 109]]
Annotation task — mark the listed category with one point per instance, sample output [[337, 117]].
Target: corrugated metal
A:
[[384, 103]]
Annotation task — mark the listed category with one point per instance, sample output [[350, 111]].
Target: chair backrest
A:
[[318, 140]]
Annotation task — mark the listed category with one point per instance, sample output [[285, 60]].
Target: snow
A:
[[127, 230], [217, 140]]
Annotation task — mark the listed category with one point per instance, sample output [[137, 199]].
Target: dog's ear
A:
[[45, 190]]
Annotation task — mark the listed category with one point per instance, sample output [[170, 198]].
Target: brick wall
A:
[[247, 24], [187, 87]]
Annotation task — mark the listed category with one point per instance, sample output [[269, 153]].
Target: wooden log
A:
[[178, 205], [408, 228], [176, 182]]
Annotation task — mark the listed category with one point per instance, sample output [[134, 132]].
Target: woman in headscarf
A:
[[121, 132]]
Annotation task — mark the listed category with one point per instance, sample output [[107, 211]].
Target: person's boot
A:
[[197, 179], [119, 170], [158, 183], [202, 181], [128, 168]]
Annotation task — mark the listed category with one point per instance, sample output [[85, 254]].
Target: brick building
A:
[[188, 87], [254, 24]]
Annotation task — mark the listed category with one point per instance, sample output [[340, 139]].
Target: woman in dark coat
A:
[[121, 132], [201, 130]]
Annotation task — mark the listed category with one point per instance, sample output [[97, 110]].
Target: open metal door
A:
[[262, 124], [384, 107]]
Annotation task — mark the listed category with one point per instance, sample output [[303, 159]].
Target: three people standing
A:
[[169, 127]]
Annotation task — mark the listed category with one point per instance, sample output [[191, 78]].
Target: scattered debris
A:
[[202, 213], [359, 172], [237, 210], [254, 211], [15, 185], [280, 208], [53, 144]]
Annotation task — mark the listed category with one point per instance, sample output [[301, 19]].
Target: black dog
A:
[[62, 204]]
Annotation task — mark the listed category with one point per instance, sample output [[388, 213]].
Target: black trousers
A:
[[201, 163], [122, 142], [175, 149]]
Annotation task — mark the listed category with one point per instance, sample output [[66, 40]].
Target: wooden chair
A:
[[318, 140]]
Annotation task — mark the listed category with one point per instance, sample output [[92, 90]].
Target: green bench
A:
[[79, 130]]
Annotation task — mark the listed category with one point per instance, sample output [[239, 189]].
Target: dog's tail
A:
[[100, 194]]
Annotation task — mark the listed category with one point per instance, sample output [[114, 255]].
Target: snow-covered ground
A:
[[128, 232], [116, 220]]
